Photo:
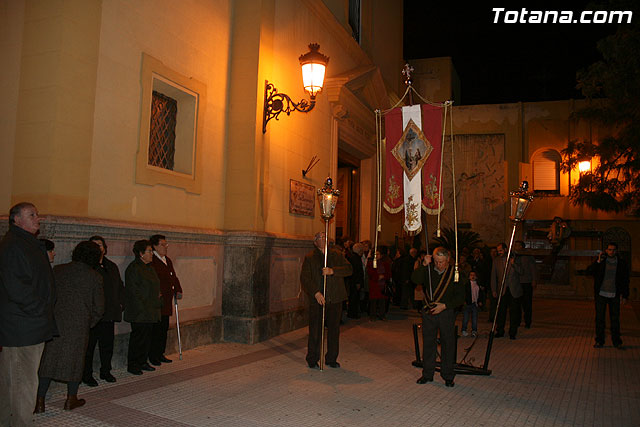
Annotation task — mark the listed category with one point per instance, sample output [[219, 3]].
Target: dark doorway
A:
[[348, 208]]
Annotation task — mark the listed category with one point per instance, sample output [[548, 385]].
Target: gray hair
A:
[[441, 252], [16, 210], [358, 248]]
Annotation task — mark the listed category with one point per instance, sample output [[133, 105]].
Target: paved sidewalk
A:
[[550, 376]]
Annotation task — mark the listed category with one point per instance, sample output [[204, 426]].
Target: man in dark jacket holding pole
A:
[[444, 296], [27, 297], [311, 279]]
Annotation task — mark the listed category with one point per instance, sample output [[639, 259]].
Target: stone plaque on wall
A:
[[302, 198]]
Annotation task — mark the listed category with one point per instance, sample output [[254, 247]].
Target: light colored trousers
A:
[[19, 384]]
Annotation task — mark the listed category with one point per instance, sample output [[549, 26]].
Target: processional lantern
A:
[[520, 201], [328, 198]]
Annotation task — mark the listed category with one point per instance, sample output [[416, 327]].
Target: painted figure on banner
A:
[[409, 148]]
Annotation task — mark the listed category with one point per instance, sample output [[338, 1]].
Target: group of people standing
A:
[[51, 319]]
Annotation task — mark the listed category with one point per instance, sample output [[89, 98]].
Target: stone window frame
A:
[[190, 179]]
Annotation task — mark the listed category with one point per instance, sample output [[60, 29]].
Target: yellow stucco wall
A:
[[77, 108], [12, 24], [192, 41]]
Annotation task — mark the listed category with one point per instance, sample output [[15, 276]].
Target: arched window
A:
[[546, 171]]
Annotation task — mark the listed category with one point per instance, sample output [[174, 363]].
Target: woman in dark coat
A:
[[142, 306], [79, 306]]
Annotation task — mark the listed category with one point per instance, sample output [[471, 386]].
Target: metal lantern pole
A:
[[328, 197], [520, 201]]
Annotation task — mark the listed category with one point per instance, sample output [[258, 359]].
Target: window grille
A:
[[162, 134]]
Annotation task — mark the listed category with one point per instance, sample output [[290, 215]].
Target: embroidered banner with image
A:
[[413, 150]]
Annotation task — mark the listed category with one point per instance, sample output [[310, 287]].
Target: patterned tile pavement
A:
[[550, 376]]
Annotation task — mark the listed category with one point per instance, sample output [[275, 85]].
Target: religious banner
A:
[[413, 151]]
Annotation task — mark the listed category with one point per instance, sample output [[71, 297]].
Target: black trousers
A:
[[527, 303], [431, 324], [353, 309], [513, 305], [333, 312], [159, 338], [614, 319], [101, 334], [139, 342]]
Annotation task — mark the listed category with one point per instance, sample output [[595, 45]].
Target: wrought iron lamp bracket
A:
[[276, 103]]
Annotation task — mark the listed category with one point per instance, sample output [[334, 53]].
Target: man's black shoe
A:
[[618, 345], [108, 377], [334, 364], [134, 371], [449, 383], [164, 359], [512, 337], [598, 345], [313, 365], [499, 335], [424, 380], [155, 362], [147, 367], [90, 381]]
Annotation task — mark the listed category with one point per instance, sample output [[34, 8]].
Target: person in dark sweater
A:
[[444, 296], [610, 285]]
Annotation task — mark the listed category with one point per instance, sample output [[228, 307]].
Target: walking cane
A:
[[328, 198], [175, 299]]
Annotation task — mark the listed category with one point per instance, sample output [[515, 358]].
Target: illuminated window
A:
[[546, 171]]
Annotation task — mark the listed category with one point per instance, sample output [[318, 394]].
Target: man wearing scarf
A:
[[443, 295]]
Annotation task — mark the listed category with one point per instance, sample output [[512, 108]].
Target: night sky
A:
[[499, 63]]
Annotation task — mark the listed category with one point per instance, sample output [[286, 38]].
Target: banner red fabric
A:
[[431, 185], [394, 200], [393, 184]]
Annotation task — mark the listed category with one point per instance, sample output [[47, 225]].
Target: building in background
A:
[[499, 145], [126, 118]]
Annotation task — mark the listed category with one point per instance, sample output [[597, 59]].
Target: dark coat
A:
[[453, 296], [113, 291], [142, 293], [169, 283], [79, 306], [512, 281], [311, 275], [597, 269], [357, 276], [27, 293]]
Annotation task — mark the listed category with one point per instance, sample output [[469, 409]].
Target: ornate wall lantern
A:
[[313, 65]]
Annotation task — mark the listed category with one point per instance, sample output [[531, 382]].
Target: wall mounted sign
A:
[[302, 198]]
